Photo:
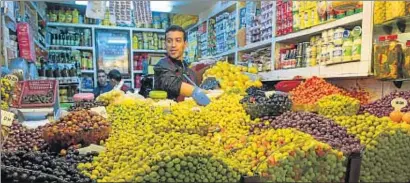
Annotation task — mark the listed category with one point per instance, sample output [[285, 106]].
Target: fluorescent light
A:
[[81, 2], [117, 41], [161, 6]]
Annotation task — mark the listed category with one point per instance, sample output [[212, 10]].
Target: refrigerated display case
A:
[[113, 51]]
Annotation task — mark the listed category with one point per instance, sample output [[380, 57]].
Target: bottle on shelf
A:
[[75, 16], [68, 16], [135, 42], [61, 15]]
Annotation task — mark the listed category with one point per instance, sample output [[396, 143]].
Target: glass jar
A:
[[338, 36], [406, 65], [380, 58]]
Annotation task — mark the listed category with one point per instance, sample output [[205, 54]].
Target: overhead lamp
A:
[[161, 6], [81, 2]]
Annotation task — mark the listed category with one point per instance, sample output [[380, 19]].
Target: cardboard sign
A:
[[101, 111], [6, 118], [399, 103], [12, 78]]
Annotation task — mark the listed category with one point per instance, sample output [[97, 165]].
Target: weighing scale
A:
[[37, 116]]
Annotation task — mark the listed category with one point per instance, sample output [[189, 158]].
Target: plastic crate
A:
[[38, 87]]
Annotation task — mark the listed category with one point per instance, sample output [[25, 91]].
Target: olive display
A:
[[39, 98], [22, 138], [258, 104], [79, 127], [321, 128], [23, 166], [210, 84], [86, 105], [383, 107]]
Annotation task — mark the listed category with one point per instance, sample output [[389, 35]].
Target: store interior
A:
[[270, 91]]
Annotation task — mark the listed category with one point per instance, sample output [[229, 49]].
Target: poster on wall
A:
[[113, 51]]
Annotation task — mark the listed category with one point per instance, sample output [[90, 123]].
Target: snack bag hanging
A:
[[95, 9]]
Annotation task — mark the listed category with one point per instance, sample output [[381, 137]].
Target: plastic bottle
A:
[[75, 16], [61, 15], [68, 16], [347, 49], [135, 42]]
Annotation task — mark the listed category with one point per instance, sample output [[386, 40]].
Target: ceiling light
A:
[[81, 2], [161, 6]]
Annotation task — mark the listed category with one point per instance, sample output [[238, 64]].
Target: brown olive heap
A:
[[22, 138], [79, 127]]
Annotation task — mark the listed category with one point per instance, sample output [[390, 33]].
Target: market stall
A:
[[291, 99]]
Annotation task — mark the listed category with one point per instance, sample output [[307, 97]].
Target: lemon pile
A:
[[231, 78]]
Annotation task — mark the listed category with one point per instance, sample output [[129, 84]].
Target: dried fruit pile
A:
[[22, 138]]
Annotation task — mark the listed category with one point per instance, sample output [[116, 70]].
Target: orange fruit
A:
[[396, 116], [406, 117]]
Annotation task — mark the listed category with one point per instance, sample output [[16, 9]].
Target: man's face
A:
[[175, 44], [102, 78]]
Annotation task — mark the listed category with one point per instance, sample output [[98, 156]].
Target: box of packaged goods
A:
[[148, 41], [231, 31], [203, 40], [333, 46], [266, 20], [26, 42], [284, 17], [184, 20], [221, 33], [192, 46], [211, 37], [257, 61], [254, 32]]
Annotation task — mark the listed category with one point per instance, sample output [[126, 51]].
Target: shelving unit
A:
[[360, 68], [149, 51], [72, 47]]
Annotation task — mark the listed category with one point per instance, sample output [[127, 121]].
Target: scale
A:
[[37, 116]]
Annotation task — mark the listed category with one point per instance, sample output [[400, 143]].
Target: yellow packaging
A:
[[310, 4], [302, 20], [395, 9], [379, 12], [302, 6]]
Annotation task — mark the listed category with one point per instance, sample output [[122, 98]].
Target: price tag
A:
[[101, 111], [6, 118], [399, 103], [12, 78]]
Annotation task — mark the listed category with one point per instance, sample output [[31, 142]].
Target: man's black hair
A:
[[176, 28], [115, 74], [101, 71]]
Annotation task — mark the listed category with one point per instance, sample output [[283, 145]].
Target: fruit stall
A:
[[280, 110]]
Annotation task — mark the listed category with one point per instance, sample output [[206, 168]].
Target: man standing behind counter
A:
[[171, 71], [103, 85]]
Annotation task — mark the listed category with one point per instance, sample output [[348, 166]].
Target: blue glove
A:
[[200, 97]]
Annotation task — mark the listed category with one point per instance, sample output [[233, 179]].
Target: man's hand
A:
[[200, 97]]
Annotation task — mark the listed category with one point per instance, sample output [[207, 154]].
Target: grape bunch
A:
[[22, 138], [383, 107], [323, 129], [23, 166], [258, 104]]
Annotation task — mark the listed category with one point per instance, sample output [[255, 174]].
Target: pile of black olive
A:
[[39, 98], [85, 105], [258, 104], [34, 166], [210, 84]]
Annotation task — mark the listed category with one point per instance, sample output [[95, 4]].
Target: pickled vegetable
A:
[[395, 9], [379, 12]]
